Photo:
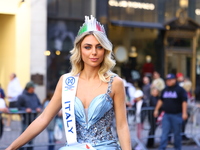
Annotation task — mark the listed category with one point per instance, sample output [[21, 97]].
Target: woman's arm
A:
[[120, 114], [41, 121]]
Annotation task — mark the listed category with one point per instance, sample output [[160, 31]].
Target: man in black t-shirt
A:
[[174, 102]]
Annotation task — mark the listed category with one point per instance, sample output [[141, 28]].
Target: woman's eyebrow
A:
[[91, 44]]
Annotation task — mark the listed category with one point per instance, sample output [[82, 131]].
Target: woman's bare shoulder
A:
[[117, 81]]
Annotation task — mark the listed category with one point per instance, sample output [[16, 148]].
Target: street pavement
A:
[[42, 138]]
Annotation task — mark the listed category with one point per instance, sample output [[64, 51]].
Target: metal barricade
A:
[[152, 128], [147, 115], [193, 125], [40, 142]]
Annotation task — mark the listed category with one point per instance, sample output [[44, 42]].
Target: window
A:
[[69, 8]]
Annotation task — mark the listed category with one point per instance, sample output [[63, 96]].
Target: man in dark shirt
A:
[[174, 102], [30, 103]]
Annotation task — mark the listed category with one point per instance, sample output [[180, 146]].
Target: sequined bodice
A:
[[96, 127]]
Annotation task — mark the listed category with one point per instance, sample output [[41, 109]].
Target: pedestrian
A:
[[174, 102], [130, 91], [50, 128], [14, 90], [2, 93], [146, 88], [180, 78], [100, 94], [197, 89], [155, 96], [3, 109], [139, 113], [187, 85], [29, 102], [157, 82]]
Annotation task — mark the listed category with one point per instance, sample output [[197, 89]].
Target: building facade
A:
[[23, 42], [141, 32]]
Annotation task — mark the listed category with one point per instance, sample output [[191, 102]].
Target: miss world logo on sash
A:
[[70, 81]]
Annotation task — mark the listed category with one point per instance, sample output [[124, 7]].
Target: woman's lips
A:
[[93, 59]]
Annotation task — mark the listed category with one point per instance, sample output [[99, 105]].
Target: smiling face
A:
[[92, 53]]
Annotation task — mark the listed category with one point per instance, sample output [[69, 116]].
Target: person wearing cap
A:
[[29, 102], [139, 114], [180, 78], [174, 102]]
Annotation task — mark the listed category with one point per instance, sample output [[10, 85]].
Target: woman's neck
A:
[[88, 74]]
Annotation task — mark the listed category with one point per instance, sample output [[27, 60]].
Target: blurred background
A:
[[37, 35]]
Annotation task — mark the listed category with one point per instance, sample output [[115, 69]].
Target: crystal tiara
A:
[[91, 25]]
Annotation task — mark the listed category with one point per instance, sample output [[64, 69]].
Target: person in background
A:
[[157, 82], [2, 93], [146, 88], [187, 85], [29, 102], [155, 96], [174, 101], [126, 91], [13, 91], [180, 78], [51, 126], [197, 90], [139, 114], [130, 91], [3, 109]]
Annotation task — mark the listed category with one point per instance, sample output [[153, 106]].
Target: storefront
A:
[[141, 28], [136, 29], [23, 42], [64, 20]]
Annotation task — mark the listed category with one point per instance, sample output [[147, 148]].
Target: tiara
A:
[[91, 25]]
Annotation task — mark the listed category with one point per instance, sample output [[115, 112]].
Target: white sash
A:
[[68, 95], [69, 87]]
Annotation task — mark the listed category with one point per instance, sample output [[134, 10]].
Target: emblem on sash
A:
[[69, 83]]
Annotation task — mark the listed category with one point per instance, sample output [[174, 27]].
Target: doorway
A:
[[179, 62]]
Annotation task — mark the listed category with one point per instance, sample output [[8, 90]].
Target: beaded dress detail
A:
[[94, 127]]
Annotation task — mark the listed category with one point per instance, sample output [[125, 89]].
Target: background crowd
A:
[[140, 94], [147, 92], [27, 101]]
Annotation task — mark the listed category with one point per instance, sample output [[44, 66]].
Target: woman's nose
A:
[[94, 51]]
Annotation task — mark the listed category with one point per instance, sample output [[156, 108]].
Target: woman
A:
[[97, 86]]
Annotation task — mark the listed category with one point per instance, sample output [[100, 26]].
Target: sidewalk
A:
[[42, 138], [191, 132]]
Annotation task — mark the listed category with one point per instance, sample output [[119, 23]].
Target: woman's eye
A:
[[99, 47], [87, 47]]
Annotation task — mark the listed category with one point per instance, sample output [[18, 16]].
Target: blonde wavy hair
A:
[[108, 62]]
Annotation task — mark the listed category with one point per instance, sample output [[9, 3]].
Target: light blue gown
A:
[[93, 125]]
